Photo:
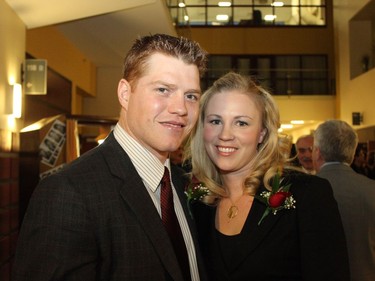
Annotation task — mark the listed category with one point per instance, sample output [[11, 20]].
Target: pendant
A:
[[232, 212]]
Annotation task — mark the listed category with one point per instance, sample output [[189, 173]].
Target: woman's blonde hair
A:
[[272, 153]]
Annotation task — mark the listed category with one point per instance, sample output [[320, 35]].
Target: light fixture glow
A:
[[186, 18], [224, 4], [286, 126], [277, 4], [269, 17], [222, 17], [181, 4], [297, 122], [17, 100]]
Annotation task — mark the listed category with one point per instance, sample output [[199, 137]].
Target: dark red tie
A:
[[171, 224]]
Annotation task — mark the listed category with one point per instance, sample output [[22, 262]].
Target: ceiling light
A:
[[269, 17], [286, 126], [225, 4], [297, 122], [181, 4], [222, 17], [277, 4]]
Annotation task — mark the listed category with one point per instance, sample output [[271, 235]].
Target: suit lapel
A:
[[135, 195]]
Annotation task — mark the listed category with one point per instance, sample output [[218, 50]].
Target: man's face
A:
[[304, 152], [163, 107]]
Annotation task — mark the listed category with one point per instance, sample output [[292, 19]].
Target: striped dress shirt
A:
[[151, 170]]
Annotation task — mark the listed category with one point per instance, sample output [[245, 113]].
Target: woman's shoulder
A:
[[302, 182]]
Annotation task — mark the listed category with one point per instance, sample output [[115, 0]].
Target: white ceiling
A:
[[102, 29]]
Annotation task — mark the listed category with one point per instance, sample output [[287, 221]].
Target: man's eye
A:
[[162, 90], [192, 97]]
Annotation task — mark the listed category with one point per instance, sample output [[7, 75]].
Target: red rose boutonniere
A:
[[277, 199], [195, 191]]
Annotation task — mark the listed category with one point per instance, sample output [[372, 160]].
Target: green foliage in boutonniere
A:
[[277, 199], [194, 192]]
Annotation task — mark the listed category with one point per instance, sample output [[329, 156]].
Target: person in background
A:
[[100, 217], [177, 158], [335, 143], [304, 146], [259, 221], [370, 164], [359, 163]]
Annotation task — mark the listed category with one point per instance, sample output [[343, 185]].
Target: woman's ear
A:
[[262, 134], [123, 93]]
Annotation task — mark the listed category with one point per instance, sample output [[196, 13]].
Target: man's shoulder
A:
[[344, 175]]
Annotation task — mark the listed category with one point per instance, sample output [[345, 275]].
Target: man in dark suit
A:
[[335, 143], [100, 217]]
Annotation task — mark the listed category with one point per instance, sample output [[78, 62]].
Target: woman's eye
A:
[[242, 123], [214, 122]]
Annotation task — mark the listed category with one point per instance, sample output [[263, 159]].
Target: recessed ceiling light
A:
[[222, 17], [277, 4], [269, 17], [286, 126], [224, 4], [297, 122]]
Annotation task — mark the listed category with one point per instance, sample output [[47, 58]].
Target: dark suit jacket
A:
[[95, 221], [355, 195], [306, 243]]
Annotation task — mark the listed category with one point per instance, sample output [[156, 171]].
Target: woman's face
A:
[[232, 131]]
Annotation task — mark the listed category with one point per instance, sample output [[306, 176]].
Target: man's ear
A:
[[123, 93], [262, 134]]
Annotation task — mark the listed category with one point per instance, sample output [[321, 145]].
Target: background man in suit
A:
[[334, 147], [304, 146], [100, 217]]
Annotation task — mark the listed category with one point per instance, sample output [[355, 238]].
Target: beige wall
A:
[[12, 53], [264, 40], [62, 56], [358, 94]]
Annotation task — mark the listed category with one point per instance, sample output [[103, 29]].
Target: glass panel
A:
[[194, 2], [242, 2], [263, 16], [314, 87], [196, 16], [293, 86], [244, 65], [283, 15], [285, 64], [172, 2], [216, 2], [294, 74], [219, 65], [242, 16], [314, 67], [219, 16], [281, 87], [264, 68]]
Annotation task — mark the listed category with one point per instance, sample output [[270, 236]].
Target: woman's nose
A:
[[226, 133]]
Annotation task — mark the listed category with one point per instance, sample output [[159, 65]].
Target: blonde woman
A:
[[259, 221]]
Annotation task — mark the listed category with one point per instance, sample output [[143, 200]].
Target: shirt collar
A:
[[148, 166]]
